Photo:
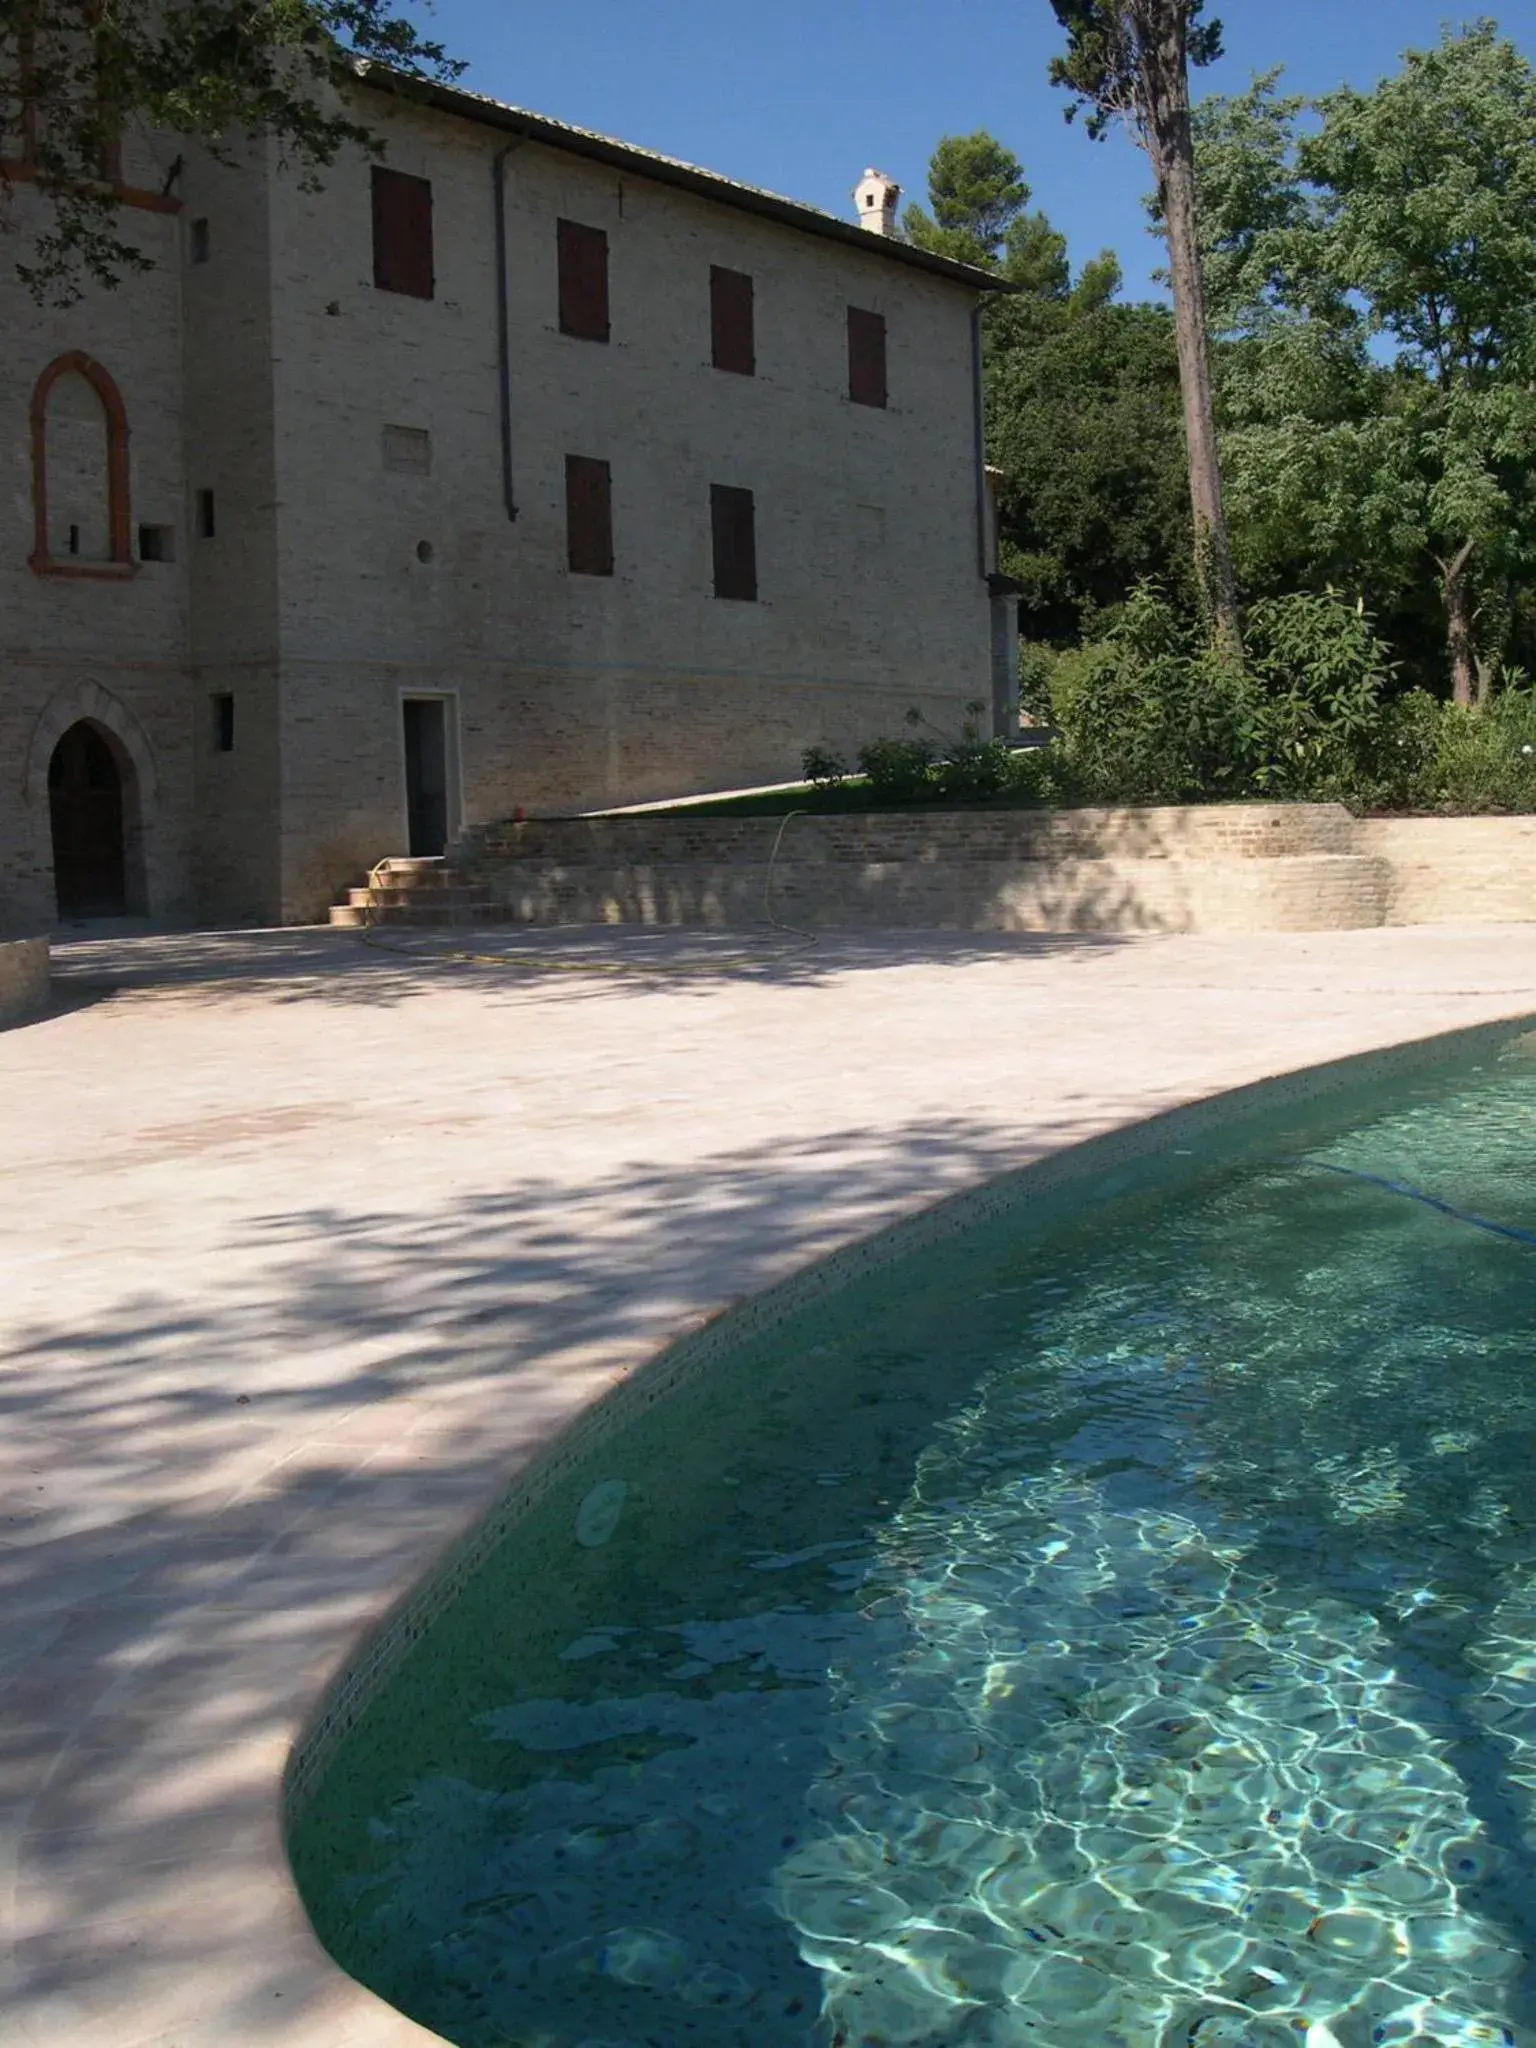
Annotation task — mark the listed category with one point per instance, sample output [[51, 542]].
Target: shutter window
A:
[[730, 320], [588, 516], [402, 233], [583, 254], [733, 520], [866, 356]]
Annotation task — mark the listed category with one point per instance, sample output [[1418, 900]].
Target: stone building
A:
[[519, 467]]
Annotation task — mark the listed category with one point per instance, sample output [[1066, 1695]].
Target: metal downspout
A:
[[503, 323], [981, 442]]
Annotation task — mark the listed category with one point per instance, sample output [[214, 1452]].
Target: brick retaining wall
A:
[[1216, 868]]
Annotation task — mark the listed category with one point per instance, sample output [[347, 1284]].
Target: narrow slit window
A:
[[730, 320], [402, 233], [866, 357], [733, 522], [588, 516], [197, 240], [207, 522], [582, 254], [223, 708]]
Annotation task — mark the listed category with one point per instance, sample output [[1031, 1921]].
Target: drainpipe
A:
[[981, 442], [503, 323]]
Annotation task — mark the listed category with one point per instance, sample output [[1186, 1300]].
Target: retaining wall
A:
[[1216, 868], [24, 982]]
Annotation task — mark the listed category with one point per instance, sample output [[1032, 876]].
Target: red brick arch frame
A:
[[120, 563]]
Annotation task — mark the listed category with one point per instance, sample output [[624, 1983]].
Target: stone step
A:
[[432, 901]]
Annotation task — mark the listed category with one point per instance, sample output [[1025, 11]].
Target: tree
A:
[[1083, 418], [1409, 215], [76, 74], [1129, 60], [977, 191], [978, 196]]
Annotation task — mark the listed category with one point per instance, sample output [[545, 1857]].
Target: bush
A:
[[1321, 672], [898, 770], [1484, 760], [822, 768], [973, 768], [1154, 714]]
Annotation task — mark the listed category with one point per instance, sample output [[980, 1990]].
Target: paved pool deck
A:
[[308, 1245]]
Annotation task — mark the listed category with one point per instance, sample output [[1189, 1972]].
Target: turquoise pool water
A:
[[1121, 1637]]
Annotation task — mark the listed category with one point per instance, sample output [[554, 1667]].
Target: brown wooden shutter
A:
[[866, 356], [583, 253], [588, 516], [733, 520], [730, 320], [402, 233]]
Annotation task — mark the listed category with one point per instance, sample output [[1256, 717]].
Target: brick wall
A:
[[23, 978], [1238, 867], [574, 691]]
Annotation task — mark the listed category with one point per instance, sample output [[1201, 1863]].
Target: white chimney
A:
[[876, 196]]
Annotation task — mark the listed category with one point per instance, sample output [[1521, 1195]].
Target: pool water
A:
[[1117, 1637]]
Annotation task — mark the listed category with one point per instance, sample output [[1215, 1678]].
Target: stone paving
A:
[[309, 1244]]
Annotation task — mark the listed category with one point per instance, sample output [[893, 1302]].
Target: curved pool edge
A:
[[1057, 1179]]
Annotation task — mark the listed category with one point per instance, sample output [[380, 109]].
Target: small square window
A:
[[223, 708], [197, 241], [206, 523], [408, 451], [157, 544]]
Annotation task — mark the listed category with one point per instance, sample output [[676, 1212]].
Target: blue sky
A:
[[799, 95]]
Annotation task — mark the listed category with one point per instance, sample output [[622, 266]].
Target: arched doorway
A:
[[87, 772]]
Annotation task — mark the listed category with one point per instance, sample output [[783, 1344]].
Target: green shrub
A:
[[898, 770], [1154, 713], [1320, 672], [973, 768], [1037, 665], [1484, 760], [1153, 716], [823, 768]]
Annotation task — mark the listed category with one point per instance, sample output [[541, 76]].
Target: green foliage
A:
[[1321, 671], [1408, 215], [1156, 716], [1107, 46], [1084, 421], [210, 71], [977, 193], [898, 770], [823, 768], [1483, 760], [973, 768], [1158, 713]]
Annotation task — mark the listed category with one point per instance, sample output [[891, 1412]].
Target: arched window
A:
[[79, 472]]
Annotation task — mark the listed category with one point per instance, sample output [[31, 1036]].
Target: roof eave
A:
[[640, 163]]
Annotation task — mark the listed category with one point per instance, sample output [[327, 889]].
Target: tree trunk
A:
[[1458, 622], [1170, 145]]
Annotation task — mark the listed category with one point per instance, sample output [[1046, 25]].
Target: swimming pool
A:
[[1114, 1624]]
